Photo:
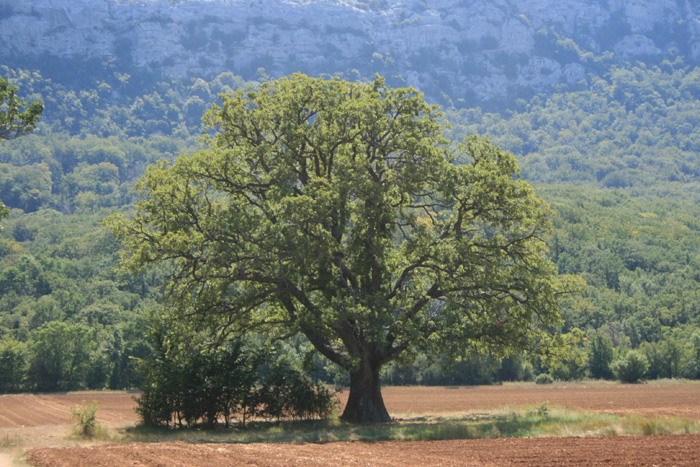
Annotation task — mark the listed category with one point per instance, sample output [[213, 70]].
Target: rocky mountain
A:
[[476, 50]]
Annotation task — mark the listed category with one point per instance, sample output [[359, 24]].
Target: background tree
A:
[[15, 122], [13, 357], [60, 353], [600, 357], [337, 210]]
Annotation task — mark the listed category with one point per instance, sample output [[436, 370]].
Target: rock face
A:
[[477, 50]]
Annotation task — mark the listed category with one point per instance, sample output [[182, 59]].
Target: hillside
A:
[[606, 130], [482, 52]]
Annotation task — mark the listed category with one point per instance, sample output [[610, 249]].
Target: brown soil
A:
[[652, 399], [661, 450], [45, 420], [32, 410]]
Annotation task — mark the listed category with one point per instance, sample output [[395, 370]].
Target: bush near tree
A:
[[631, 368], [212, 385]]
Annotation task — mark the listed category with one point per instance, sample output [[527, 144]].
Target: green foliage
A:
[[27, 188], [187, 386], [197, 387], [665, 358], [85, 415], [614, 159], [335, 209], [634, 126], [13, 360], [631, 368], [544, 378], [60, 354], [600, 357], [287, 393], [15, 122], [570, 363]]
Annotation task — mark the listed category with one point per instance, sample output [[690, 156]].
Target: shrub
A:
[[207, 386], [544, 378], [288, 393], [197, 387], [13, 358], [600, 356], [85, 415], [631, 368]]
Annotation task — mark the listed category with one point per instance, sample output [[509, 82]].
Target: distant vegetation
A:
[[617, 160]]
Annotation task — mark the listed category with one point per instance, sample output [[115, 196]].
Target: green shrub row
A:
[[223, 385]]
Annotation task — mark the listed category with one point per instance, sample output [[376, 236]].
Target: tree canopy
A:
[[15, 122], [338, 210]]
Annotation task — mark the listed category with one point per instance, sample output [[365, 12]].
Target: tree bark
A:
[[365, 402]]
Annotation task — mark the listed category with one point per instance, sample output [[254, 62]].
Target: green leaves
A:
[[15, 122], [336, 209]]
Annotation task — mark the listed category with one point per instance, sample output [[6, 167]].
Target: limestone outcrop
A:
[[478, 50]]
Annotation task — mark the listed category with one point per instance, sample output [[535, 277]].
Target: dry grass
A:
[[522, 421]]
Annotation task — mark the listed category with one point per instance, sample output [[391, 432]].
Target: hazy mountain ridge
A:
[[476, 50]]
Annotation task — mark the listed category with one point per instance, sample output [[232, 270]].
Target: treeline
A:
[[617, 161], [634, 127], [67, 321]]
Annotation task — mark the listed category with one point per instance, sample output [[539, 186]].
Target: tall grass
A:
[[7, 441], [507, 422]]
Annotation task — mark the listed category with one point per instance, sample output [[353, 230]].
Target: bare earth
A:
[[623, 450], [45, 420]]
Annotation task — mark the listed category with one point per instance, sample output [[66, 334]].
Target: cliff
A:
[[478, 50]]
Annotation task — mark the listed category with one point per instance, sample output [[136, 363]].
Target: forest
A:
[[616, 159]]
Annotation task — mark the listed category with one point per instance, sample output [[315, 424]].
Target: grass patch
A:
[[7, 441], [508, 422], [96, 433]]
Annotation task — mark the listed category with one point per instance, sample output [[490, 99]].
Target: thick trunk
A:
[[365, 403]]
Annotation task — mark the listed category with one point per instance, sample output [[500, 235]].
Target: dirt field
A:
[[30, 410], [624, 450], [44, 420]]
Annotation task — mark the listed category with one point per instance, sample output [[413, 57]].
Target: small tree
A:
[[571, 363], [338, 210], [692, 366], [60, 353], [85, 415], [13, 363], [600, 356], [4, 212], [631, 368]]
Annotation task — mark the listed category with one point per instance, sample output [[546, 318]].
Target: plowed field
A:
[[44, 420], [33, 410], [623, 450]]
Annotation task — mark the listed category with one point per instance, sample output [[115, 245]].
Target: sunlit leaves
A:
[[338, 209]]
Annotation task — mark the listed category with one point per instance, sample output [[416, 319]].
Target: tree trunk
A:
[[365, 403]]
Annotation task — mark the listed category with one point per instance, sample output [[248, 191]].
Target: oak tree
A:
[[339, 211]]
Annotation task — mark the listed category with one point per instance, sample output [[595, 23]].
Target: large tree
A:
[[338, 210]]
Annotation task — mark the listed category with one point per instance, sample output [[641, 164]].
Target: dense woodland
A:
[[617, 159]]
